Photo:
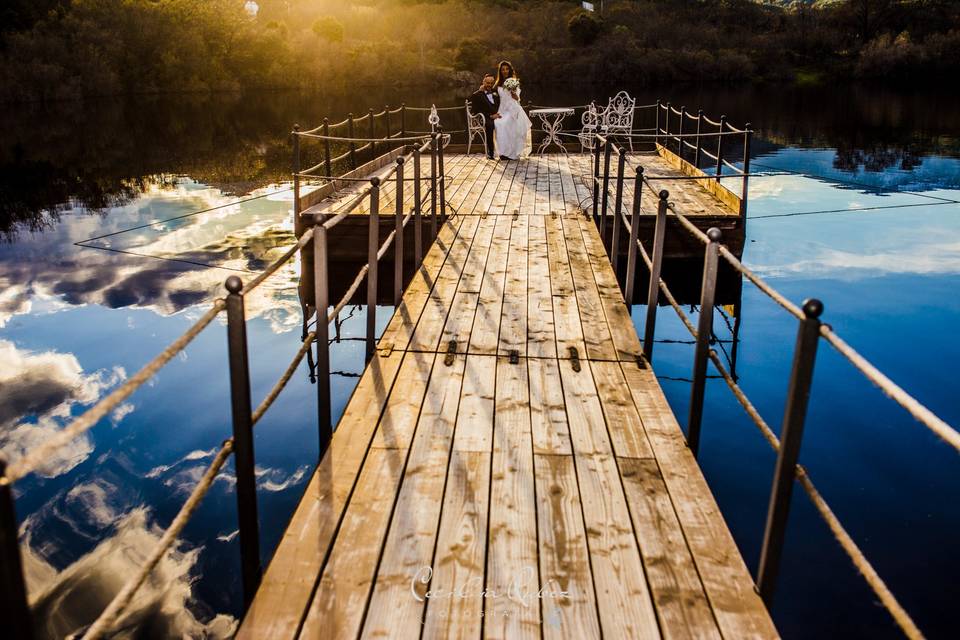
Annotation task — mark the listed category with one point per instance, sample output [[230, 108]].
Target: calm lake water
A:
[[864, 214]]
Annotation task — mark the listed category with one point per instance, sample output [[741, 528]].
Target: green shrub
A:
[[584, 28], [469, 55]]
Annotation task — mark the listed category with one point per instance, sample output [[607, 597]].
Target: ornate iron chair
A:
[[590, 120], [476, 126], [617, 117]]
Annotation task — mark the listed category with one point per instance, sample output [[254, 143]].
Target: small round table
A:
[[552, 120]]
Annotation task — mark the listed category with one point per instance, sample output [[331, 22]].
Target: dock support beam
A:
[[791, 435], [704, 333], [243, 455]]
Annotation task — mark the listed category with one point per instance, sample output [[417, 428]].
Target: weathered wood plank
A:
[[514, 614], [566, 315]]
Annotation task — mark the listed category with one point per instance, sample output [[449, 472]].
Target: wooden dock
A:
[[508, 466]]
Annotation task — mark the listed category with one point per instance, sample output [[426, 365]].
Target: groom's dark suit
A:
[[487, 104]]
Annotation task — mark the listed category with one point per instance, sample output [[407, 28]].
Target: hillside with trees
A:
[[68, 49]]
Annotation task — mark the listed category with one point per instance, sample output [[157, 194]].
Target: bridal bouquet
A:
[[511, 84]]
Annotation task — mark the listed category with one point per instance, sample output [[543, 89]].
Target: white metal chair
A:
[[616, 117], [476, 126]]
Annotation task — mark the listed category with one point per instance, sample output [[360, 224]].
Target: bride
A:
[[513, 126]]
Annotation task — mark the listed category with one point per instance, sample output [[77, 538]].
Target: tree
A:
[[329, 29], [584, 28], [469, 55]]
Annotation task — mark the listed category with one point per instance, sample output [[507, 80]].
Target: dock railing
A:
[[809, 334], [14, 603]]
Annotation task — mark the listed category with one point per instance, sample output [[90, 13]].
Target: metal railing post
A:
[[723, 121], [403, 120], [683, 116], [353, 145], [666, 129], [791, 435], [243, 455], [373, 246], [386, 118], [398, 238], [656, 135], [14, 605], [321, 288], [296, 178], [596, 178], [433, 184], [607, 151], [704, 333], [442, 178], [417, 204], [656, 262], [747, 137], [373, 134], [326, 146], [696, 155], [634, 234], [617, 206]]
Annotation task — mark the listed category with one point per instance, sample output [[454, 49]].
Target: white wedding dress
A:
[[512, 128]]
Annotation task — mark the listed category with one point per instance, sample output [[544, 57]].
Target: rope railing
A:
[[810, 331], [244, 417]]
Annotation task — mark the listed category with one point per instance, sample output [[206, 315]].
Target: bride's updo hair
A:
[[510, 74]]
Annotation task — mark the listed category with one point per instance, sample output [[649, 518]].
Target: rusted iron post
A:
[[398, 238], [442, 178], [403, 120], [386, 118], [656, 262], [326, 146], [14, 606], [696, 155], [723, 122], [666, 129], [353, 145], [607, 152], [243, 454], [747, 137], [617, 207], [433, 185], [373, 246], [704, 333], [634, 234], [417, 204], [791, 435]]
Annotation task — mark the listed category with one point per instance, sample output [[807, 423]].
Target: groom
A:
[[486, 100]]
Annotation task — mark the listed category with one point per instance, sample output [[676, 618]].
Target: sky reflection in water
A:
[[76, 321]]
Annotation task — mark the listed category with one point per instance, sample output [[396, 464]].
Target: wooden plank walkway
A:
[[508, 466]]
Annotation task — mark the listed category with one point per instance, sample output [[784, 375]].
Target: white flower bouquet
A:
[[511, 84]]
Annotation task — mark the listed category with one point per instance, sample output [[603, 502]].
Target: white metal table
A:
[[552, 120]]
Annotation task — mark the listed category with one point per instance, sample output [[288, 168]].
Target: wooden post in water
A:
[[791, 435], [704, 335]]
